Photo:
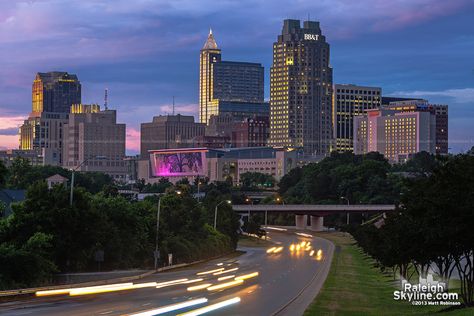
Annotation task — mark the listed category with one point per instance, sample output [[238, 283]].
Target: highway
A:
[[286, 283]]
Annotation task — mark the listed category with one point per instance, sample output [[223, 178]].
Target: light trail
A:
[[225, 285], [199, 287], [210, 271], [170, 308], [225, 277], [225, 271], [68, 290], [270, 250], [311, 253], [276, 228], [247, 276], [304, 235], [212, 307]]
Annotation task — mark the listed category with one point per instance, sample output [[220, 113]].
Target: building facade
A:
[[349, 101], [44, 134], [395, 134], [55, 92], [251, 132], [236, 84], [94, 141], [440, 111], [301, 89], [169, 131]]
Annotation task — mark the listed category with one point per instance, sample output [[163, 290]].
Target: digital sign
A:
[[177, 163]]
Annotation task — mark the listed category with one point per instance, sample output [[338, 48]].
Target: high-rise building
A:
[[439, 110], [55, 92], [301, 89], [94, 141], [44, 135], [250, 132], [395, 134], [349, 101], [169, 131], [234, 83]]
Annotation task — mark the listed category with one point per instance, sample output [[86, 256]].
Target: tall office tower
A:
[[395, 134], [301, 89], [55, 92], [232, 83], [170, 131], [349, 101], [94, 141], [250, 132], [440, 111]]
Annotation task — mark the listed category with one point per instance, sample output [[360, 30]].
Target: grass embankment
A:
[[355, 287]]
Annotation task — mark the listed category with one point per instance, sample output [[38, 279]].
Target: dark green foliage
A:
[[45, 234], [255, 180]]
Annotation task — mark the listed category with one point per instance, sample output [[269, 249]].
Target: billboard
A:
[[177, 163]]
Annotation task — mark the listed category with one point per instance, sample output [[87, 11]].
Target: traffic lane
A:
[[253, 300], [283, 277], [121, 301]]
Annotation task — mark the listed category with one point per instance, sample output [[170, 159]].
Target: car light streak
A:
[[199, 287], [278, 249], [276, 228], [210, 271], [68, 290], [94, 290], [176, 282], [311, 253], [225, 271], [247, 276], [270, 250], [225, 285], [212, 307], [225, 277], [170, 308], [304, 235], [292, 247]]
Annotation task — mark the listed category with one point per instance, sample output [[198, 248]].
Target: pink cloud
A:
[[9, 142], [132, 139], [8, 122]]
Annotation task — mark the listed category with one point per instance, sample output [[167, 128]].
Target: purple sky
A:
[[146, 51]]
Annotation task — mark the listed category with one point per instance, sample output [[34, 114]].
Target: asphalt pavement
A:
[[286, 284]]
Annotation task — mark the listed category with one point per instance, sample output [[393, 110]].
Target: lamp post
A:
[[157, 230], [215, 211], [71, 195], [347, 213]]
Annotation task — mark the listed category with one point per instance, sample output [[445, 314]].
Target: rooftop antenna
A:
[[173, 105], [105, 98]]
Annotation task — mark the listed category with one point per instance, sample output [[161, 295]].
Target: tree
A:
[[19, 170], [3, 174]]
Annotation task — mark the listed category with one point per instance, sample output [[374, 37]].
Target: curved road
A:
[[287, 283]]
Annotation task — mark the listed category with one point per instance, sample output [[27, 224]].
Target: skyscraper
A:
[[94, 141], [55, 92], [301, 89], [395, 134], [349, 101], [226, 82]]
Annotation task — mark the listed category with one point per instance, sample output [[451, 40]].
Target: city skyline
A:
[[405, 48]]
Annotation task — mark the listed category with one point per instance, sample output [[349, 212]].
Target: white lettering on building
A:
[[311, 37]]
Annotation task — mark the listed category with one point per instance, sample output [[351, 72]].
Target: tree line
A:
[[45, 235]]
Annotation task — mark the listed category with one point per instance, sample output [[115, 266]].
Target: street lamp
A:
[[347, 214], [157, 229], [215, 211], [71, 196]]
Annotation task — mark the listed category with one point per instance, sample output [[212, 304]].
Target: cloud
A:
[[132, 140], [180, 108], [9, 141], [464, 95], [10, 122]]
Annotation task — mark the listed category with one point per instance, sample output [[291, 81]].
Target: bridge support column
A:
[[317, 223], [301, 221]]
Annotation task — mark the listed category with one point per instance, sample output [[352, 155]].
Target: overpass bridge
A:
[[315, 211]]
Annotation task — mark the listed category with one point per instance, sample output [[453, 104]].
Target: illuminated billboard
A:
[[177, 163]]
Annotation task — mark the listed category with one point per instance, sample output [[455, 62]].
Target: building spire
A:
[[211, 42]]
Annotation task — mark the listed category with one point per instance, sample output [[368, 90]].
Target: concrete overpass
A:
[[315, 211]]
